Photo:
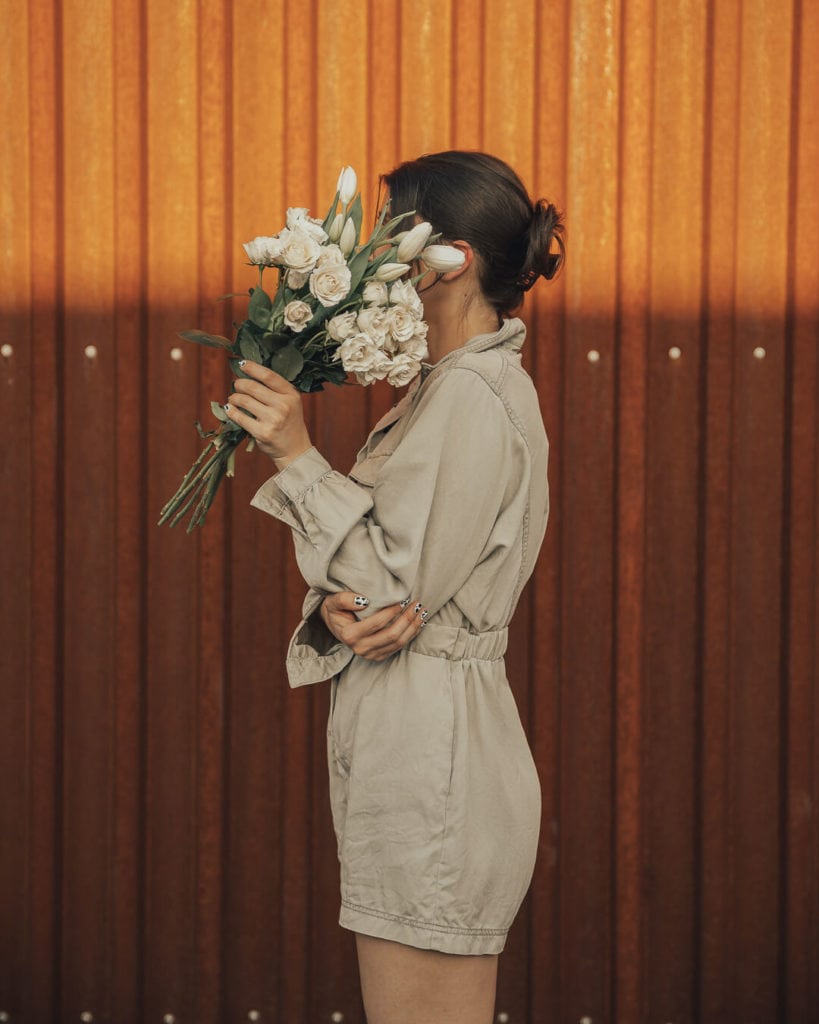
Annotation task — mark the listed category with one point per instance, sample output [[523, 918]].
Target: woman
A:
[[431, 538]]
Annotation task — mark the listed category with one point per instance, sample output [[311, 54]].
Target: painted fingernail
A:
[[425, 614], [418, 607], [362, 602], [226, 407], [406, 601], [242, 362]]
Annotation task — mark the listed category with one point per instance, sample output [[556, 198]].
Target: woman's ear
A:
[[469, 256]]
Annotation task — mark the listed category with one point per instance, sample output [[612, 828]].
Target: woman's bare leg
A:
[[404, 985]]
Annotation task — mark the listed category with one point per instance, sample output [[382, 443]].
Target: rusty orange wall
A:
[[165, 837]]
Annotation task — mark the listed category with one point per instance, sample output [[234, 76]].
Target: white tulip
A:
[[335, 227], [413, 242], [347, 184], [347, 240], [442, 258], [391, 271]]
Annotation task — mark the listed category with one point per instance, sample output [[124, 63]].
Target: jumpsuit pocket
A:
[[342, 763]]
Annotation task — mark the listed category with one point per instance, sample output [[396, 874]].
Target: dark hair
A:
[[476, 197]]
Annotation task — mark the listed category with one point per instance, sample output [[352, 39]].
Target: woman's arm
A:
[[423, 527]]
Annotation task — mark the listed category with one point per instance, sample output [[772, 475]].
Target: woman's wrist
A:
[[285, 460]]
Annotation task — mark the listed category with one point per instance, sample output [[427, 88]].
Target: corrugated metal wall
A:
[[165, 837]]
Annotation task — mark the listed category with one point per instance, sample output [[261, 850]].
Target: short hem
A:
[[381, 925]]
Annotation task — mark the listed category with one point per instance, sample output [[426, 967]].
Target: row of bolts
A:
[[593, 356], [337, 1018]]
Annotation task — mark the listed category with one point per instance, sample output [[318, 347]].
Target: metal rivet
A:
[[593, 356], [85, 1015], [5, 352], [176, 355], [336, 1017], [759, 352], [90, 351], [254, 1015], [674, 352]]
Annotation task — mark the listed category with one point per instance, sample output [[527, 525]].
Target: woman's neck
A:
[[450, 328]]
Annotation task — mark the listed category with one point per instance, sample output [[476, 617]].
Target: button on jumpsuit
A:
[[434, 793]]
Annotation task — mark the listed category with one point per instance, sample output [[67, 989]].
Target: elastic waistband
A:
[[456, 642]]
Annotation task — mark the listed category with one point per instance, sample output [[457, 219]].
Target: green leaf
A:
[[288, 362], [357, 214], [211, 340], [248, 344], [331, 213], [260, 307], [218, 412]]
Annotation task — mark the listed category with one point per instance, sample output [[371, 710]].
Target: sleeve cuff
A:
[[292, 481]]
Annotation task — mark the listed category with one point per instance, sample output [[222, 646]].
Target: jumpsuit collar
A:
[[511, 334]]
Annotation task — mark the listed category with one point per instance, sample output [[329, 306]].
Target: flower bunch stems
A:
[[202, 480]]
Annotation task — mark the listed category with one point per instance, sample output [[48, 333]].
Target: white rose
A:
[[299, 250], [373, 321], [297, 219], [402, 293], [295, 279], [330, 284], [342, 325], [297, 315], [403, 369], [375, 292], [401, 323], [264, 251], [378, 371], [359, 354], [416, 347], [331, 255]]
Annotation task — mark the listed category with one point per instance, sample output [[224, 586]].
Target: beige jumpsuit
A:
[[434, 792]]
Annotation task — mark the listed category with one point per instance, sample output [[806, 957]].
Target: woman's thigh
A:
[[404, 985]]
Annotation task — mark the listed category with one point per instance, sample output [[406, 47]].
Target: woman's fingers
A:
[[392, 636], [269, 378]]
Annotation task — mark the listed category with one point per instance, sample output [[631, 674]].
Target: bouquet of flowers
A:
[[340, 306]]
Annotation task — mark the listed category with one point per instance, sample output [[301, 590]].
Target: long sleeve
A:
[[424, 525]]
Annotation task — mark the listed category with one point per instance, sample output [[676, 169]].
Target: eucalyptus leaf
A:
[[288, 362], [218, 412], [260, 307], [250, 347], [201, 338]]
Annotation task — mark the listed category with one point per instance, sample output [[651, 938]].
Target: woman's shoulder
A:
[[492, 384]]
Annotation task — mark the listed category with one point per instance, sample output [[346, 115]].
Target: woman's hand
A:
[[380, 634], [279, 426]]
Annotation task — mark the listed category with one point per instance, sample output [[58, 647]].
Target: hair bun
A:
[[545, 227]]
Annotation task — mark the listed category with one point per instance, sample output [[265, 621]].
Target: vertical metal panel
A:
[[169, 846], [672, 450], [586, 813], [800, 909]]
